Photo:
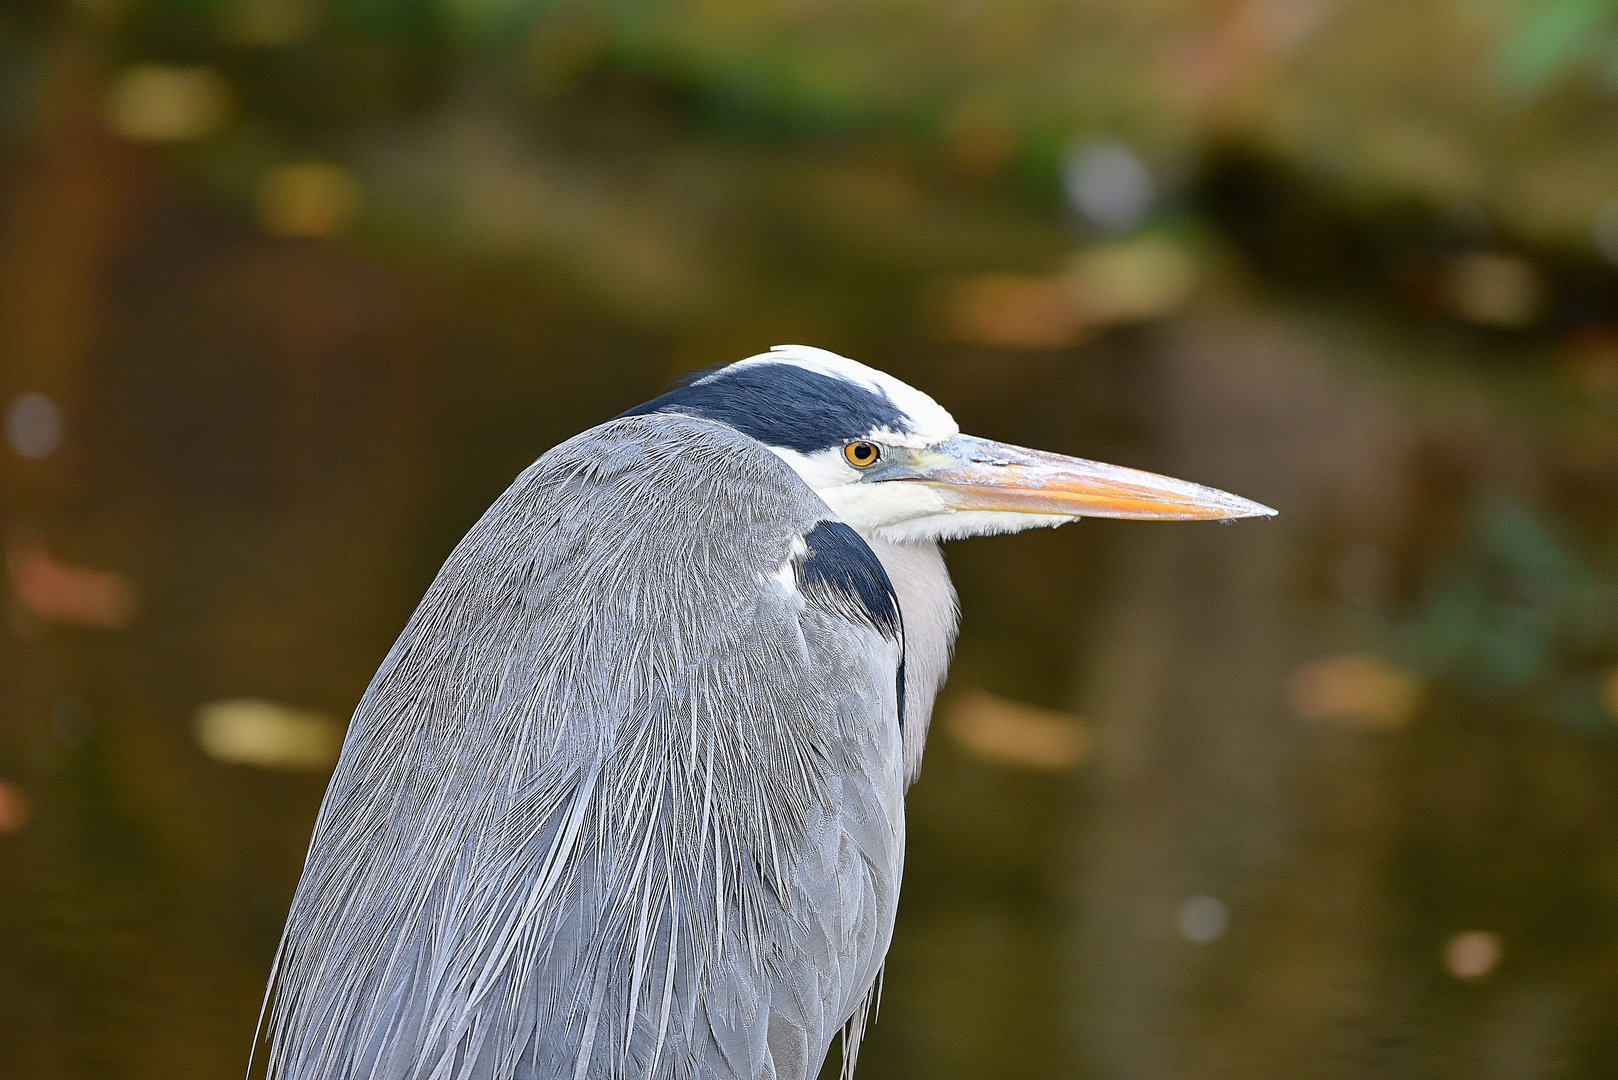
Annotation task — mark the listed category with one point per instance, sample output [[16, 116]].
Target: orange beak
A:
[[977, 474]]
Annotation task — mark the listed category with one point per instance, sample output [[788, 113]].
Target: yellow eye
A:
[[862, 454]]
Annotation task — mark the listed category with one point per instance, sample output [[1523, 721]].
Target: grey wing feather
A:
[[622, 801]]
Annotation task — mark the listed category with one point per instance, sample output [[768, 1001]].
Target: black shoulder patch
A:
[[841, 574], [782, 405]]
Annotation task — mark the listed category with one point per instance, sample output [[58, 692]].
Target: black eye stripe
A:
[[784, 405]]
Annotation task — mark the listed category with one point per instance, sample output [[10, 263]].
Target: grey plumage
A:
[[625, 799]]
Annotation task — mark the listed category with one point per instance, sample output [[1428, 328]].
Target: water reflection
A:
[[1333, 794], [1273, 854]]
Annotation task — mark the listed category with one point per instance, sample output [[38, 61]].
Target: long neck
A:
[[931, 617]]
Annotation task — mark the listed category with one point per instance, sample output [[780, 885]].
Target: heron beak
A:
[[977, 474]]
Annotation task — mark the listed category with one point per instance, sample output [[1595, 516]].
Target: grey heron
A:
[[626, 798]]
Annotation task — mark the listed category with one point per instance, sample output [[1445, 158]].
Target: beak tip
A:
[[1246, 508]]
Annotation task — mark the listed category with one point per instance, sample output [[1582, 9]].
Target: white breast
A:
[[931, 616]]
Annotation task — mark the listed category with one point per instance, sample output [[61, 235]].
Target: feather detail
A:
[[616, 804]]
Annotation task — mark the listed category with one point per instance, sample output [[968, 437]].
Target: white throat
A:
[[931, 615]]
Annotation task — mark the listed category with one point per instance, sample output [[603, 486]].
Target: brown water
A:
[[1231, 873]]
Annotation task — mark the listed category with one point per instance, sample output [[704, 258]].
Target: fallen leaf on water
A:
[[1355, 691], [251, 731], [13, 808], [1013, 733], [60, 592]]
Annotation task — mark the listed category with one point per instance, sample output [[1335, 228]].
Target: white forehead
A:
[[931, 421]]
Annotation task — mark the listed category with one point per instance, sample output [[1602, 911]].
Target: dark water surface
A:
[[1241, 866]]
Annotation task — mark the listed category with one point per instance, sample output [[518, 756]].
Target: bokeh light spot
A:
[[1203, 919], [1130, 280], [1109, 284], [164, 103], [250, 731], [1012, 311], [13, 808], [1108, 185], [272, 23], [60, 592], [312, 199], [1013, 733], [1472, 954], [1494, 289], [1604, 231], [1355, 691], [34, 425], [1609, 694]]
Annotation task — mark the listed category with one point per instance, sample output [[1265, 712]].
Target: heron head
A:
[[892, 463]]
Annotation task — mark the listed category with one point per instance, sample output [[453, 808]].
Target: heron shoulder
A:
[[649, 487], [691, 472], [607, 739]]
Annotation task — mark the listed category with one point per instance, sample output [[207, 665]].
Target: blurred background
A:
[[291, 289]]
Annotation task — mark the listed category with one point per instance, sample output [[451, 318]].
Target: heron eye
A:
[[861, 454]]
